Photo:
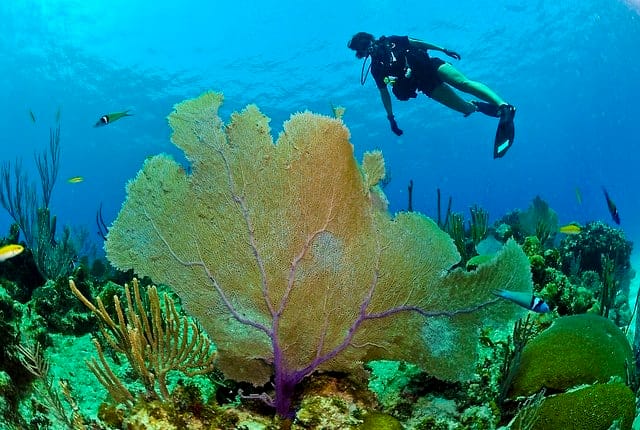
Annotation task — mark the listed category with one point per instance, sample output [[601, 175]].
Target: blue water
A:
[[572, 68]]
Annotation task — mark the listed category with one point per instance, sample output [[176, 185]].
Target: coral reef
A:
[[595, 240], [59, 309], [286, 256], [321, 303], [185, 409], [588, 272], [13, 377]]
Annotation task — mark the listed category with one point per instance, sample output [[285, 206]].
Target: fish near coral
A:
[[10, 251], [570, 229], [526, 300]]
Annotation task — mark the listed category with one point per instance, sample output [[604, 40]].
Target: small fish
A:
[[58, 113], [526, 300], [9, 251], [578, 196], [33, 116], [613, 210], [111, 117], [75, 179], [570, 229]]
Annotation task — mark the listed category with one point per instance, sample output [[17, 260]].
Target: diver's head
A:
[[361, 43]]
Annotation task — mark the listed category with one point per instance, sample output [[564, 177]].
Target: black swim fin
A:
[[506, 131]]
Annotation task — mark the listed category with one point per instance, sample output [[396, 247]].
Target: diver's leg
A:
[[444, 94], [457, 80]]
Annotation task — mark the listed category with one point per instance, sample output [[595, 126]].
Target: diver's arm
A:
[[386, 102], [425, 46]]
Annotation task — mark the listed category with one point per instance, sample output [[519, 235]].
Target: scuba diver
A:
[[404, 63]]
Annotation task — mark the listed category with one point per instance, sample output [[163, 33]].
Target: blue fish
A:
[[526, 300]]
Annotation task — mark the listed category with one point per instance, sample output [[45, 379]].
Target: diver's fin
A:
[[506, 131]]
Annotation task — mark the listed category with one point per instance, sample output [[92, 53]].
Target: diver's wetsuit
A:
[[409, 69]]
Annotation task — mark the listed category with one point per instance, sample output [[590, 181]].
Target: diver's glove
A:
[[451, 54], [394, 125]]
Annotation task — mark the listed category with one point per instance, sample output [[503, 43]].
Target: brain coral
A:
[[578, 349]]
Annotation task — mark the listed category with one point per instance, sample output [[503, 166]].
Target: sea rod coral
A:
[[287, 256]]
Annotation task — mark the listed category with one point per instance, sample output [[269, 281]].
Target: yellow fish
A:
[[9, 251], [570, 229], [75, 179]]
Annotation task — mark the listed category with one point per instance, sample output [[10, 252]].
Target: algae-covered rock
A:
[[319, 412], [578, 349], [380, 421], [594, 407]]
